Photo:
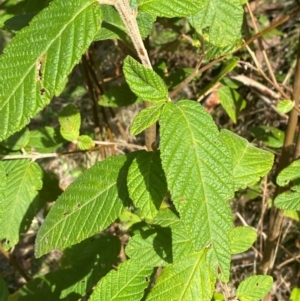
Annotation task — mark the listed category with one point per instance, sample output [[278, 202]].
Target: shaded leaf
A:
[[17, 141], [3, 290], [249, 163], [241, 239], [100, 193], [254, 288], [269, 135], [126, 283], [191, 154], [146, 118], [144, 82], [24, 179], [31, 76]]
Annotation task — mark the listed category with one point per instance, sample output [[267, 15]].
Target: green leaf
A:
[[269, 135], [100, 193], [231, 101], [249, 163], [24, 179], [146, 183], [289, 200], [118, 96], [285, 106], [171, 8], [126, 283], [44, 140], [82, 266], [241, 239], [295, 294], [17, 141], [144, 82], [199, 177], [187, 279], [85, 142], [146, 118], [30, 76], [3, 187], [151, 248], [3, 290], [254, 288], [292, 214], [290, 173], [69, 120], [219, 21]]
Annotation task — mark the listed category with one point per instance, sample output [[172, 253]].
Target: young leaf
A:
[[146, 183], [290, 173], [199, 177], [144, 82], [30, 76], [241, 239], [145, 118], [69, 120], [126, 283], [295, 294], [271, 136], [100, 193], [231, 101], [24, 179], [285, 106], [171, 8], [3, 290], [254, 288], [224, 19], [289, 199], [249, 163], [82, 266], [85, 142], [187, 279]]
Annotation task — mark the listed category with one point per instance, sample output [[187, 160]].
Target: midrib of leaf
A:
[[74, 211], [41, 53]]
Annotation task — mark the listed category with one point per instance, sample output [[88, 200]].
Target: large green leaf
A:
[[289, 200], [187, 279], [290, 173], [24, 179], [254, 288], [219, 21], [198, 172], [144, 82], [146, 183], [171, 8], [249, 163], [35, 65], [88, 206], [82, 266], [126, 283]]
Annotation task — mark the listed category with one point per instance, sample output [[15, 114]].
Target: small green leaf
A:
[[269, 135], [171, 8], [254, 288], [295, 294], [219, 21], [70, 120], [24, 179], [249, 163], [292, 214], [187, 279], [3, 290], [126, 283], [100, 193], [85, 142], [290, 173], [231, 101], [146, 183], [17, 141], [289, 200], [241, 239], [144, 82], [285, 106], [146, 118]]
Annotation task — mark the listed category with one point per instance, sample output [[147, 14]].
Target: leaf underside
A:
[[31, 76]]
